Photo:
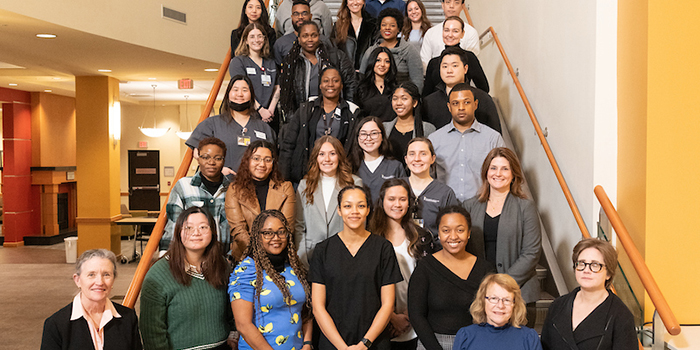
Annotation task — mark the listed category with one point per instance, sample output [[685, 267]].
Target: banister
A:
[[667, 316], [466, 13], [147, 254]]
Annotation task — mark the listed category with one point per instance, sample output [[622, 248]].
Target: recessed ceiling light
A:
[[151, 78], [46, 36], [13, 84], [56, 78], [104, 70], [211, 70], [47, 90]]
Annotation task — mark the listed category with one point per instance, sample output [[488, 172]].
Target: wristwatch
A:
[[308, 342], [367, 342]]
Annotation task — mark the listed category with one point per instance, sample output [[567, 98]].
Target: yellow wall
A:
[[53, 130], [659, 156]]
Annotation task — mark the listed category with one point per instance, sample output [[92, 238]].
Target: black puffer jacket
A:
[[298, 136]]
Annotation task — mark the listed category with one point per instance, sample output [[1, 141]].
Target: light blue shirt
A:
[[460, 156]]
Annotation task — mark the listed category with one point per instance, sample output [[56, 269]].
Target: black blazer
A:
[[60, 333]]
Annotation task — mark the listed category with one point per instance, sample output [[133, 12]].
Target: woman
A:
[[377, 85], [253, 12], [353, 275], [432, 195], [92, 321], [408, 124], [370, 155], [499, 316], [392, 220], [329, 115], [183, 300], [269, 289], [316, 214], [452, 33], [258, 186], [408, 63], [506, 229], [417, 24], [238, 124], [253, 60], [301, 68], [444, 284], [591, 316], [354, 30]]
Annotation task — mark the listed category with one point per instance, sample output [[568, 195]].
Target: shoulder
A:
[[127, 313], [440, 132], [245, 268], [619, 308], [356, 180], [302, 185], [61, 316], [471, 203], [559, 303]]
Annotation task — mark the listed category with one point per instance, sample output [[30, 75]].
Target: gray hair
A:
[[96, 253]]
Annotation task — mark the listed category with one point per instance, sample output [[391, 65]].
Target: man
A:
[[432, 41], [462, 145], [453, 71], [284, 23], [301, 12], [374, 7], [207, 188]]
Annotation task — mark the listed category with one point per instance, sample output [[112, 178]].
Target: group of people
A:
[[357, 180]]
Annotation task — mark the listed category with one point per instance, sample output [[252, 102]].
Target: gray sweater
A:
[[319, 11], [407, 61]]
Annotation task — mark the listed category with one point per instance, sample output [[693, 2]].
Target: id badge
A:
[[266, 80], [244, 141]]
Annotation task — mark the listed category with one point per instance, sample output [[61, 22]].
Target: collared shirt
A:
[[460, 156], [97, 333], [433, 44], [191, 192]]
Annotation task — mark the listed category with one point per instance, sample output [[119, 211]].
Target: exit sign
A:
[[185, 84]]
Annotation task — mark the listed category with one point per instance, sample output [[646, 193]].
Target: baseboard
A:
[[50, 240]]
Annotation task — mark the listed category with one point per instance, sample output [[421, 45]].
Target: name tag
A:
[[266, 80], [260, 135], [387, 177], [431, 200], [243, 141], [250, 71]]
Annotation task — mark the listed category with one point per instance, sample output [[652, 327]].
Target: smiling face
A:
[[355, 6], [308, 38], [96, 279], [211, 161], [498, 315], [331, 84], [395, 202], [370, 137], [451, 7], [454, 233], [452, 70], [452, 32], [389, 29], [462, 106], [587, 279], [260, 164], [274, 244], [414, 12], [196, 233], [418, 157], [300, 14], [353, 209], [499, 175], [253, 10], [255, 40], [382, 65], [327, 159], [240, 92], [402, 103]]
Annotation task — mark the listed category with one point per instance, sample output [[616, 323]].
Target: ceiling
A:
[[36, 64]]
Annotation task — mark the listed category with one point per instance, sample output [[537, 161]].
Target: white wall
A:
[[564, 52]]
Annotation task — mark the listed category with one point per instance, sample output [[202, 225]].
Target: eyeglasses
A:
[[300, 14], [201, 229], [207, 158], [257, 159], [268, 235], [595, 266], [372, 135], [495, 300]]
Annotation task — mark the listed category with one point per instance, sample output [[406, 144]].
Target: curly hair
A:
[[257, 252], [425, 22], [516, 186], [313, 176], [369, 79], [379, 222], [243, 48], [356, 154], [478, 308], [393, 13], [242, 185]]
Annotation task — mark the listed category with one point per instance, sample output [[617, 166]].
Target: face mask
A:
[[239, 107]]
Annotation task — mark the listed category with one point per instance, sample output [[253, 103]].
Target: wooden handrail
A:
[[145, 263], [466, 13], [667, 316]]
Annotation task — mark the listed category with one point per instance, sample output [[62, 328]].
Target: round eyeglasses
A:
[[595, 266]]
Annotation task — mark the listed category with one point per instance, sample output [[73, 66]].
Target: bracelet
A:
[[308, 342], [366, 342], [259, 108]]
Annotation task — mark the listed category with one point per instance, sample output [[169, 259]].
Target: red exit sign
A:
[[185, 84]]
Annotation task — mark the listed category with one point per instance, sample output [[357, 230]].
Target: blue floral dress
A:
[[278, 320]]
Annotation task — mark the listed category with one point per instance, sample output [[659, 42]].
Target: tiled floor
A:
[[35, 282]]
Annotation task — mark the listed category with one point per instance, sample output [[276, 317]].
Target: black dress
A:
[[353, 285]]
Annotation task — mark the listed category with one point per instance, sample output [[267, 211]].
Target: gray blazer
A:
[[427, 128], [519, 242], [313, 223]]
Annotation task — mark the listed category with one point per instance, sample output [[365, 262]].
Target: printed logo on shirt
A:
[[388, 177], [431, 200], [260, 135]]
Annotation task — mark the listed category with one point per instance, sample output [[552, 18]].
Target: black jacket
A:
[[434, 109], [369, 31], [609, 327], [475, 73], [298, 136]]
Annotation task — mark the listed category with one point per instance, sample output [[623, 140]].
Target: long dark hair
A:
[[516, 185], [368, 81], [259, 255], [408, 26], [213, 262], [356, 153], [413, 91], [379, 222], [225, 110], [264, 17], [243, 186]]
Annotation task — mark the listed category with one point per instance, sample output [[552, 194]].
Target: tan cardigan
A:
[[240, 212]]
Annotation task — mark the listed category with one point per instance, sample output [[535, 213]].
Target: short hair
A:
[[478, 308], [454, 18], [95, 253], [463, 87], [516, 186], [363, 188], [301, 2], [454, 209], [212, 141], [309, 23], [455, 51], [606, 249], [391, 12]]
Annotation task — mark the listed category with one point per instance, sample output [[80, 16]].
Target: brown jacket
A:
[[240, 212]]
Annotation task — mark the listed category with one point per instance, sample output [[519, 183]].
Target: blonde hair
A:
[[478, 308]]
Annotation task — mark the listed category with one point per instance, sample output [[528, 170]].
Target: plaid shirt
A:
[[190, 192]]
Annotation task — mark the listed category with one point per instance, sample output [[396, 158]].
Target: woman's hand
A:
[[400, 323], [265, 114], [227, 171], [358, 346]]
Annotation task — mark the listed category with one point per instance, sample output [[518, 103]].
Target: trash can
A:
[[71, 249]]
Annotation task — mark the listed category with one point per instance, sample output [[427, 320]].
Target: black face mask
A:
[[239, 107]]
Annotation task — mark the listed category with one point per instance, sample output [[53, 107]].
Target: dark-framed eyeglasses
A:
[[207, 158], [594, 266], [268, 235], [372, 135]]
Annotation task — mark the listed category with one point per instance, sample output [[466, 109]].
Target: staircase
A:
[[432, 7]]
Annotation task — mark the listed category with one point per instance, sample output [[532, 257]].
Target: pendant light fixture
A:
[[186, 134], [154, 131]]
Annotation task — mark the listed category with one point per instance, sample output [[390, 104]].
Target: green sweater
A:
[[174, 316]]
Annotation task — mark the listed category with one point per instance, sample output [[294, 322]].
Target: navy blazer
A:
[[60, 333]]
